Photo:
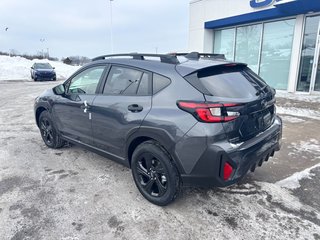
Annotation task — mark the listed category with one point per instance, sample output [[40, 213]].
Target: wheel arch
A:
[[38, 112], [158, 135]]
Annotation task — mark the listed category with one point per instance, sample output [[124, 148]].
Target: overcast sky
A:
[[82, 27]]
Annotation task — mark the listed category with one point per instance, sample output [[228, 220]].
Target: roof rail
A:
[[165, 58], [197, 55]]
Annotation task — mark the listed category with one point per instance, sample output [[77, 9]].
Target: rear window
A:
[[231, 81]]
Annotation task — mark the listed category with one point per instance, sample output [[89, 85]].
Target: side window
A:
[[159, 83], [87, 81], [144, 87], [122, 81]]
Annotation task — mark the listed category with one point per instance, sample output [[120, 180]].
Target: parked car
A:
[[43, 71], [188, 119]]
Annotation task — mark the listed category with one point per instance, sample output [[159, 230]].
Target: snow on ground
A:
[[311, 146], [307, 146], [292, 119], [299, 112], [298, 96], [18, 68], [292, 182]]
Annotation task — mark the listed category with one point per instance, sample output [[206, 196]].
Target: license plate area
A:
[[257, 122]]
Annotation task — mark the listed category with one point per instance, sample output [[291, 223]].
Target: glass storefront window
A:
[[307, 54], [248, 45], [276, 53], [273, 53], [224, 43]]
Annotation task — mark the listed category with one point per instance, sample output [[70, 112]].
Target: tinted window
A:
[[87, 81], [159, 83], [122, 81], [144, 87], [232, 82]]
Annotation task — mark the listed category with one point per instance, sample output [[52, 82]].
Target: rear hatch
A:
[[246, 98]]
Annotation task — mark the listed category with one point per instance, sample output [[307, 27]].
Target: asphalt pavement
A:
[[71, 193]]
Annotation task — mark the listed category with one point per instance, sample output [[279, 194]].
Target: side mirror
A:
[[32, 67], [53, 68], [59, 90]]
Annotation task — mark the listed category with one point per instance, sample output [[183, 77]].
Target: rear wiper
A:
[[261, 90]]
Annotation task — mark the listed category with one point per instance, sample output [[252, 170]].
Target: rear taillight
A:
[[210, 112], [227, 171]]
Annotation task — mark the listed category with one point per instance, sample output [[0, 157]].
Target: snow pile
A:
[[292, 182], [18, 68]]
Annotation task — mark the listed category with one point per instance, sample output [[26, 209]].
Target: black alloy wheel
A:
[[48, 132], [155, 174], [152, 175]]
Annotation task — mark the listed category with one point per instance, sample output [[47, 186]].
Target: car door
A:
[[120, 108], [72, 110]]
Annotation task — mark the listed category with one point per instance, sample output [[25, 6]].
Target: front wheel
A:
[[49, 134], [154, 173]]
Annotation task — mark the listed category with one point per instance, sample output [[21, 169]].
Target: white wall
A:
[[201, 11]]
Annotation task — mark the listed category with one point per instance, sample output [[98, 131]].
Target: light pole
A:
[[42, 40], [111, 30]]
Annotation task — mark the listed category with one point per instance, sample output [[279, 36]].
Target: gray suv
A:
[[174, 119]]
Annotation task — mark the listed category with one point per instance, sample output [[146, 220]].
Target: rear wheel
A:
[[154, 173], [49, 134]]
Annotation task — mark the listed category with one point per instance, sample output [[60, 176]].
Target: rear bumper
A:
[[242, 157]]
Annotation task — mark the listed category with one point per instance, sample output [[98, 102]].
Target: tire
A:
[[161, 183], [49, 134]]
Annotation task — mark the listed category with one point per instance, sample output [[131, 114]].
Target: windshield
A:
[[42, 66]]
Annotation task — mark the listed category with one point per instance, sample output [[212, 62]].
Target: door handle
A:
[[135, 108], [85, 106]]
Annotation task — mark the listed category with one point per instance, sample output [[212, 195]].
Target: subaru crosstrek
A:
[[43, 71], [185, 119]]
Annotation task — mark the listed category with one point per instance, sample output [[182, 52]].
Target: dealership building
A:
[[278, 39]]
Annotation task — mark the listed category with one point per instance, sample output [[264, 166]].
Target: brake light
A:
[[210, 112], [227, 171]]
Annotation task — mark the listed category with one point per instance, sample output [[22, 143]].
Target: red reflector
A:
[[227, 171]]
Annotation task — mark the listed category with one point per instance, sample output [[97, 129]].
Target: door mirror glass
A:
[[59, 90]]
